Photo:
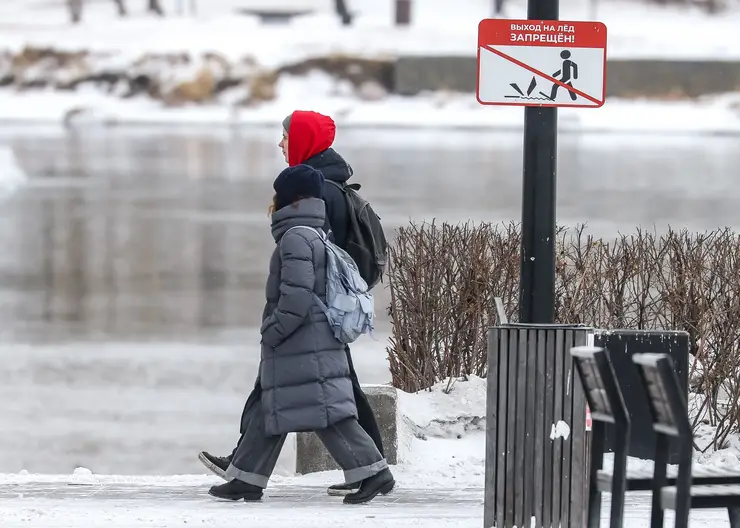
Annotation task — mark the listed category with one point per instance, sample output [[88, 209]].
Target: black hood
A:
[[331, 165]]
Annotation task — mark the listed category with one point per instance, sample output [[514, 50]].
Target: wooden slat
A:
[[547, 491], [557, 451], [520, 425], [579, 457], [489, 515], [587, 472], [539, 432], [503, 393], [566, 444], [645, 471], [530, 421], [513, 364]]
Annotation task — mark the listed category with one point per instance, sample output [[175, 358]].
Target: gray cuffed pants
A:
[[346, 441]]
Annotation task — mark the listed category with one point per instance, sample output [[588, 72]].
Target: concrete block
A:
[[311, 455]]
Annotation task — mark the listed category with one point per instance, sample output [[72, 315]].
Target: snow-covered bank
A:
[[441, 27], [711, 115], [144, 70]]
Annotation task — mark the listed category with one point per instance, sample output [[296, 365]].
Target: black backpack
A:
[[366, 242]]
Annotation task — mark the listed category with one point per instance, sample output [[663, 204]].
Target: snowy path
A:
[[117, 505], [162, 505]]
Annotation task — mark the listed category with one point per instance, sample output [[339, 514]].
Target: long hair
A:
[[273, 208]]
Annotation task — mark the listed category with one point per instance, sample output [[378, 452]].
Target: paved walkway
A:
[[298, 496], [57, 505]]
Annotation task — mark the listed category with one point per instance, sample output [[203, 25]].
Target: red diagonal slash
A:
[[541, 74]]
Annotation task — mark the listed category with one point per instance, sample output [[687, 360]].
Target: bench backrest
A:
[[600, 384], [667, 403]]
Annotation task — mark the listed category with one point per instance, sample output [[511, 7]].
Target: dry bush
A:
[[443, 279]]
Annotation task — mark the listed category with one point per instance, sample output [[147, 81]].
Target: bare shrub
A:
[[443, 280]]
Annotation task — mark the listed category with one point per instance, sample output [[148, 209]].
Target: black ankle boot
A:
[[379, 483], [236, 490]]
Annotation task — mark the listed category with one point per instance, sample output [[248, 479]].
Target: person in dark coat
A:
[[307, 139], [304, 372]]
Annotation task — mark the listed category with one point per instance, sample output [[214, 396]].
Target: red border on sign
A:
[[602, 30], [498, 32], [509, 58]]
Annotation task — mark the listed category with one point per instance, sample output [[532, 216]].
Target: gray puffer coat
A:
[[304, 371]]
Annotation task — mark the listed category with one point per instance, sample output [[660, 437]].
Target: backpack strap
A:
[[319, 232], [344, 185], [323, 236]]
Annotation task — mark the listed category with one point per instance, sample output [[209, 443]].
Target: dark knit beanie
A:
[[286, 123], [294, 183]]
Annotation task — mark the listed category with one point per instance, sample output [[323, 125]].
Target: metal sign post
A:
[[541, 64], [537, 259]]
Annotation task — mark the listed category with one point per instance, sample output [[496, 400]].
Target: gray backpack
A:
[[350, 307]]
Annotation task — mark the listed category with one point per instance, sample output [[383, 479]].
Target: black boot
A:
[[217, 465], [236, 490], [340, 490], [380, 483]]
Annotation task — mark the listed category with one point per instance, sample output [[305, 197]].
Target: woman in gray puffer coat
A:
[[304, 371]]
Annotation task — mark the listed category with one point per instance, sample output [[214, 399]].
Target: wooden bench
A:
[[607, 405], [671, 422]]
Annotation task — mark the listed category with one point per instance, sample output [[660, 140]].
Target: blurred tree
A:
[[343, 12]]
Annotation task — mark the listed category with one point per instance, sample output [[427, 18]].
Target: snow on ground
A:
[[137, 505], [636, 29], [718, 115]]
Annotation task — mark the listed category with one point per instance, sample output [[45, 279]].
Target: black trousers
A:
[[365, 414]]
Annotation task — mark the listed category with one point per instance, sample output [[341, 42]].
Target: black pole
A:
[[537, 267]]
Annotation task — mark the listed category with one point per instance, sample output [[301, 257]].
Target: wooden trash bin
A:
[[536, 440]]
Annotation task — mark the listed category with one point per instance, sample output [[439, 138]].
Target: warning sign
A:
[[541, 63]]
